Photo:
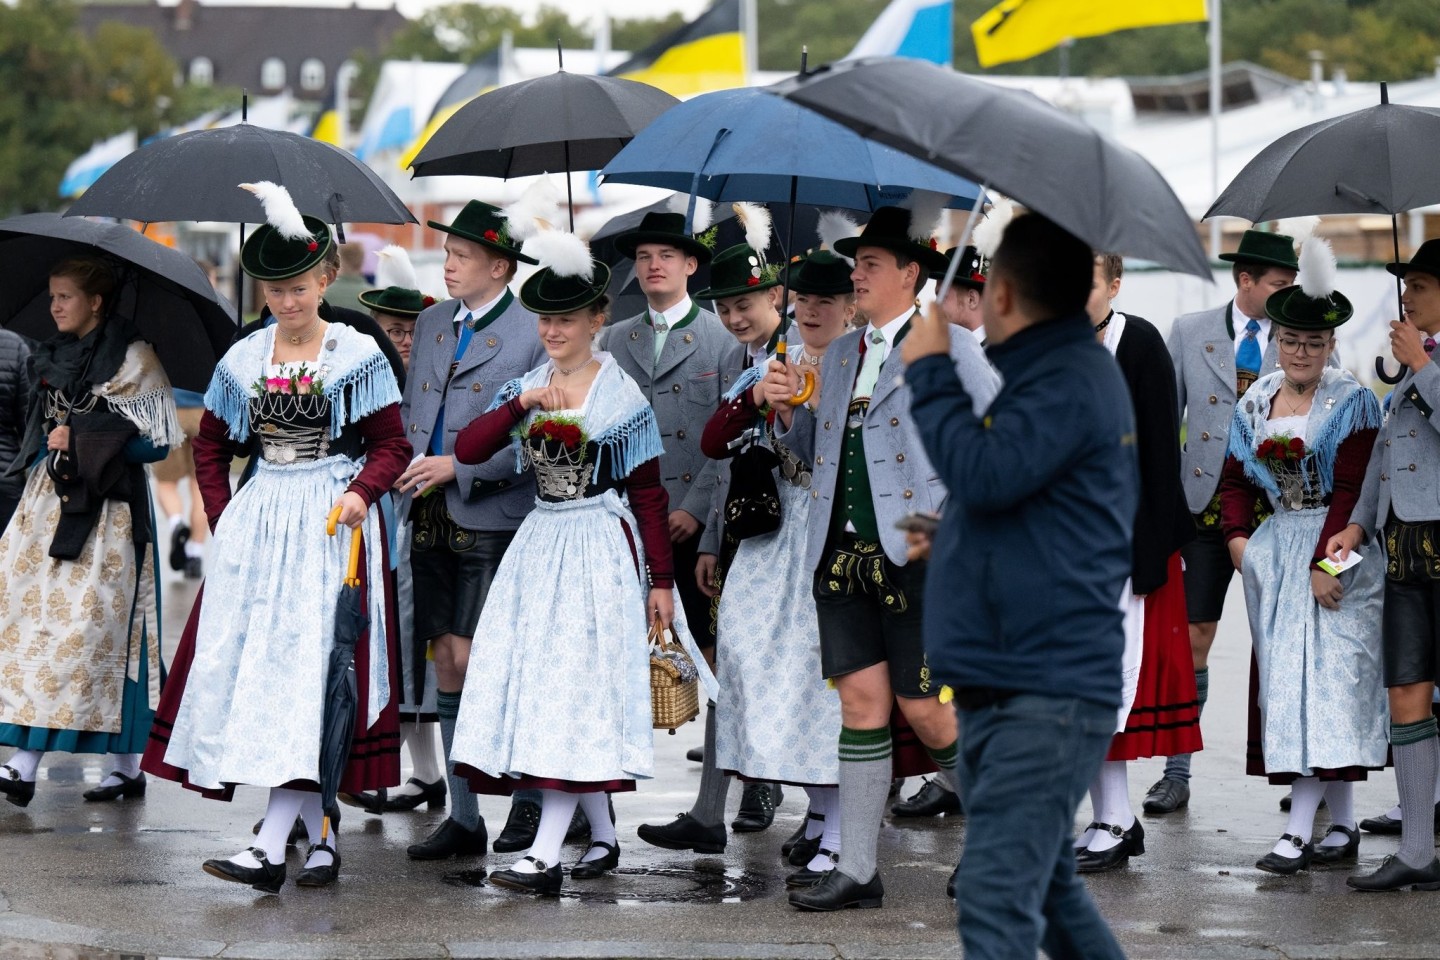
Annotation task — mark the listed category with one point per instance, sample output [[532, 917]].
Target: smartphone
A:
[[921, 521]]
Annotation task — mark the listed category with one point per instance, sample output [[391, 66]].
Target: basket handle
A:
[[657, 636]]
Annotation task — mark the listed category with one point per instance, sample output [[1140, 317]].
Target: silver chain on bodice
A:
[[560, 474], [1299, 487], [58, 406], [292, 428]]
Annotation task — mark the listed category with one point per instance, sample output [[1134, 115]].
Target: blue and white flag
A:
[[88, 167], [920, 29]]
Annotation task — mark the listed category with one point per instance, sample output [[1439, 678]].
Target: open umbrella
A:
[[561, 122], [1377, 160], [172, 302], [337, 725], [1014, 143]]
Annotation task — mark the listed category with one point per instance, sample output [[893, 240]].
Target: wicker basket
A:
[[674, 700]]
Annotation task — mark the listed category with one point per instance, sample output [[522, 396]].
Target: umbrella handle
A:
[[1387, 377], [808, 376], [352, 569]]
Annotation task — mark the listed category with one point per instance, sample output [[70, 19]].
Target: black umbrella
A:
[[1377, 160], [337, 724], [168, 295], [561, 122], [1014, 143]]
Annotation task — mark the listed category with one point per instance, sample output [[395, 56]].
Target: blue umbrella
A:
[[748, 144]]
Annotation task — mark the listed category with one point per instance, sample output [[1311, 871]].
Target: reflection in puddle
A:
[[649, 885]]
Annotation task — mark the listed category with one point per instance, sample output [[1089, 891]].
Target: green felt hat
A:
[[821, 274], [889, 229], [486, 225], [972, 271], [1269, 249], [548, 293], [667, 229], [270, 255], [396, 301], [739, 270], [1295, 309]]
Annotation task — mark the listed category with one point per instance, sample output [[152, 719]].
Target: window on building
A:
[[312, 75], [272, 73], [202, 72]]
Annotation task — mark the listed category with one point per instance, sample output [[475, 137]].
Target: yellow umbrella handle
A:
[[808, 390], [352, 571]]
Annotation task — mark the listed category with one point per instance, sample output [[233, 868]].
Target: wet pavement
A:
[[86, 881]]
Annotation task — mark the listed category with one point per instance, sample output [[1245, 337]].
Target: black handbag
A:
[[752, 505]]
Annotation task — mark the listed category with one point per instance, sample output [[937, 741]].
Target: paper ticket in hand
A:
[[1335, 569]]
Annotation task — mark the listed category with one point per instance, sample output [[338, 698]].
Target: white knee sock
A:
[[556, 810], [424, 753], [1097, 803], [1340, 799], [602, 828], [314, 817], [1114, 807], [25, 763], [822, 801], [280, 814], [125, 764], [830, 838], [1305, 796]]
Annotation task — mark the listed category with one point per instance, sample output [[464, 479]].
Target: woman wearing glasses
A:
[[1299, 446]]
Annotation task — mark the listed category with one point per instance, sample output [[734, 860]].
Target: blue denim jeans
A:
[[1024, 765]]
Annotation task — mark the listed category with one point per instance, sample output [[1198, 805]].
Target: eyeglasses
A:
[[1311, 348], [400, 335]]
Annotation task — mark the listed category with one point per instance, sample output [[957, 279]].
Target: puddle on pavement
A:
[[650, 885]]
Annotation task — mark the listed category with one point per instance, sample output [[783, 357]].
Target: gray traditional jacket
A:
[[1404, 471]]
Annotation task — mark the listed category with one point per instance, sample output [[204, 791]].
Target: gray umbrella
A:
[[337, 726], [1014, 143]]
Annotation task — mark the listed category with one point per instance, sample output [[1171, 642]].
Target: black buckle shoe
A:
[[1166, 796], [371, 801], [804, 851], [178, 538], [546, 883], [431, 794], [450, 840], [590, 869], [1332, 855], [520, 826], [1272, 862], [17, 791], [194, 568], [931, 800], [808, 878], [757, 807], [267, 878], [797, 836], [1132, 844], [128, 787], [322, 876], [838, 891], [1396, 874], [684, 833]]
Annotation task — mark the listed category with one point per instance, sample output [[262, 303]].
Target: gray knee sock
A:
[[1415, 759], [464, 809], [709, 806], [1178, 766], [945, 759], [865, 771]]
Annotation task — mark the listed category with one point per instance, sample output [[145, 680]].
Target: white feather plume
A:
[[280, 210], [756, 221], [926, 208], [394, 269], [988, 233], [539, 204], [704, 211], [835, 225], [1318, 273], [562, 253], [1298, 229]]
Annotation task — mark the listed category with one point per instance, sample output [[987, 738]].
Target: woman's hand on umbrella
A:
[[1327, 589], [59, 439], [661, 606], [1407, 343], [352, 508], [780, 384], [545, 398]]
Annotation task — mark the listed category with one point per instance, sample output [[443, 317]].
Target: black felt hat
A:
[[1269, 249], [1295, 309], [270, 255], [486, 225], [1426, 260], [739, 270], [547, 293], [889, 228], [972, 270], [821, 274], [663, 228]]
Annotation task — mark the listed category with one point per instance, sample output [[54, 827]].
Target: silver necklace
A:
[[308, 336], [576, 369]]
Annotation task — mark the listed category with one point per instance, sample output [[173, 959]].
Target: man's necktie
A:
[[462, 322], [870, 364], [1248, 357], [1429, 344]]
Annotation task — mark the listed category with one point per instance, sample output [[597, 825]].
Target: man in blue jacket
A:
[[1032, 555]]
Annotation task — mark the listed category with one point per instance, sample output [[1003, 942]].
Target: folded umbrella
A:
[[337, 726]]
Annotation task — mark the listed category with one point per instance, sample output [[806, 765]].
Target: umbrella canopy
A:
[[747, 144], [1014, 143], [337, 722], [193, 177], [173, 304], [564, 121]]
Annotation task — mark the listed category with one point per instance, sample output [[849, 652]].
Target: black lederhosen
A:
[[1410, 625], [453, 568]]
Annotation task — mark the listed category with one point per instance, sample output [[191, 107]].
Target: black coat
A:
[[1163, 523], [16, 395]]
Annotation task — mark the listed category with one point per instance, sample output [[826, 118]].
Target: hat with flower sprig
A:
[[287, 244], [569, 278], [742, 269], [397, 290], [1313, 304], [500, 230]]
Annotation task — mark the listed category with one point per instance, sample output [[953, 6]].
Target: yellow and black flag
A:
[[1020, 29], [327, 122], [706, 54], [481, 76]]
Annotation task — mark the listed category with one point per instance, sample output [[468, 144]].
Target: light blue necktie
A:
[[1248, 357], [870, 367]]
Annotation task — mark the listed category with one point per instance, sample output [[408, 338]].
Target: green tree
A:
[[133, 76]]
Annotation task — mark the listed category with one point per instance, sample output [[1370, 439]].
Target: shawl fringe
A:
[[746, 381]]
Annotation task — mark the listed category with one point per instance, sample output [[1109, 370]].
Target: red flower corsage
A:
[[934, 244], [977, 277], [428, 301], [492, 236], [312, 246], [753, 282]]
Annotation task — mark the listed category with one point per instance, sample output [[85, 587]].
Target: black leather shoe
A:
[[1167, 796], [1383, 824], [1330, 856], [431, 794], [695, 754], [320, 876], [953, 882], [803, 852], [1272, 862], [546, 883], [805, 877], [519, 832], [1396, 874], [757, 807], [684, 833], [194, 568], [371, 801], [795, 837], [837, 891], [450, 840], [1132, 844], [267, 878], [128, 787], [17, 791], [590, 869], [178, 538], [931, 800]]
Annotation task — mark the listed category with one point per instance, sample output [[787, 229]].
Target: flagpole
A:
[[750, 30], [1215, 96]]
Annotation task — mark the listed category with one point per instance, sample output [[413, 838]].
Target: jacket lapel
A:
[[679, 344], [640, 341], [1219, 349], [438, 332]]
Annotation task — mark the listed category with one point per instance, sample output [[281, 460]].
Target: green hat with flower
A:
[[397, 290], [1313, 304], [487, 225], [287, 244], [569, 278], [742, 269]]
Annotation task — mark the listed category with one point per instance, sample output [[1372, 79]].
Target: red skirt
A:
[[504, 786], [374, 753], [1165, 719]]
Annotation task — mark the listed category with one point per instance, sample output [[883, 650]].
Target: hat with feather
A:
[[908, 229], [1312, 304], [569, 278], [287, 243], [668, 229], [397, 290], [742, 269], [1276, 249], [975, 259], [504, 230], [823, 272]]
